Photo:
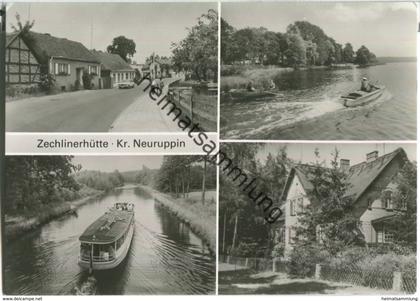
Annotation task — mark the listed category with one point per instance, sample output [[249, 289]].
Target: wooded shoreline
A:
[[13, 230]]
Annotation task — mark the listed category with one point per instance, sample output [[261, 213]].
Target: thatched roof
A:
[[359, 176], [44, 46], [10, 37], [110, 61]]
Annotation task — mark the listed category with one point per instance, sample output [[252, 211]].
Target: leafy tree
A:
[[348, 53], [197, 53], [226, 42], [328, 218], [404, 224], [124, 47], [296, 52], [36, 181], [364, 56]]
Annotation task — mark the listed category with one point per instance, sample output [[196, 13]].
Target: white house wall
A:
[[295, 191]]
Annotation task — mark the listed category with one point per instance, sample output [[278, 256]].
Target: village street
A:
[[87, 111]]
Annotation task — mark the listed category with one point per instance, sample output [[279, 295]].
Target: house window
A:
[[387, 200], [296, 206], [126, 76], [300, 205], [93, 70], [292, 207], [403, 204], [62, 69], [384, 235], [292, 235]]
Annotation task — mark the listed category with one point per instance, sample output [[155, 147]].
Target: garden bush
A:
[[303, 258], [46, 83]]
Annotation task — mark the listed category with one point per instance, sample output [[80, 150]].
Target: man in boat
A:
[[250, 88], [367, 86]]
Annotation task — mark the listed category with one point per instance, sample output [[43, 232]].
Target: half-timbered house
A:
[[22, 68]]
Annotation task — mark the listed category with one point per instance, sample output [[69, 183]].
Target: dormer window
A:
[[387, 200], [403, 206], [296, 206], [292, 207]]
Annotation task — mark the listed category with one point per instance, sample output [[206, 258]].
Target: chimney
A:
[[372, 156], [344, 165]]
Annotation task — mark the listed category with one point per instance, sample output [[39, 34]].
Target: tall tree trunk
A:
[[203, 193], [183, 187], [224, 233], [235, 232], [189, 180]]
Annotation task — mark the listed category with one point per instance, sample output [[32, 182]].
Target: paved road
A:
[[145, 115], [82, 111]]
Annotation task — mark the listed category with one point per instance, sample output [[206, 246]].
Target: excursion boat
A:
[[105, 243], [360, 98]]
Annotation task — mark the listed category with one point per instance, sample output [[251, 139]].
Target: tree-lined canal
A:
[[165, 256]]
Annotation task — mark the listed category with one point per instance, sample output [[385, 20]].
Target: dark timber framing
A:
[[31, 75]]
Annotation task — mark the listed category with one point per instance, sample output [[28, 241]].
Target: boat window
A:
[[85, 250]]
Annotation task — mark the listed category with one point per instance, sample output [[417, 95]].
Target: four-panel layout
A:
[[332, 211]]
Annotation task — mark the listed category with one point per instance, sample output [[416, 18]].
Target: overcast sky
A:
[[355, 152], [387, 29], [152, 26], [122, 163]]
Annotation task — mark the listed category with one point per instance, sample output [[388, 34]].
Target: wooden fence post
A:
[[227, 261], [397, 282], [317, 271], [274, 264]]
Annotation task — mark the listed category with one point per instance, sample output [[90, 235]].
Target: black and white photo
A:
[[347, 225], [90, 67], [318, 70], [121, 225]]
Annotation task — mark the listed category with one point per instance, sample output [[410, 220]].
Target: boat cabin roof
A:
[[109, 227]]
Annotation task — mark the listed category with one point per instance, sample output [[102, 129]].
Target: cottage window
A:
[[292, 235], [387, 199], [93, 70], [62, 69], [300, 205], [292, 207], [384, 235], [403, 204]]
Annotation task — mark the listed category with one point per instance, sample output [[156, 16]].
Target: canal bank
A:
[[19, 225], [202, 225], [165, 256]]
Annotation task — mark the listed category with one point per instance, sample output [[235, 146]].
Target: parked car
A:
[[126, 85]]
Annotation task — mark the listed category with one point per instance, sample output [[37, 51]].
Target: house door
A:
[[79, 77]]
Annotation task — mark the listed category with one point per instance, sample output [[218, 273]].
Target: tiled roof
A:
[[111, 61]]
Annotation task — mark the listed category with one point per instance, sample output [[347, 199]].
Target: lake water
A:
[[309, 107], [165, 256]]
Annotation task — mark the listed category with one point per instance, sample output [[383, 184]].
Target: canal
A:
[[165, 256]]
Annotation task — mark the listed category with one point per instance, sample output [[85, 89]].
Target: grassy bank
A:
[[201, 218], [259, 76], [17, 225]]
